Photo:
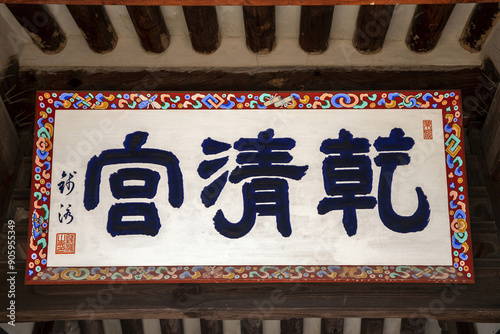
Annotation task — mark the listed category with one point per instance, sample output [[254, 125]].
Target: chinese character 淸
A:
[[263, 159], [133, 217]]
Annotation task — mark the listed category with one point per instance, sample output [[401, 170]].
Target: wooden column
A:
[[427, 26], [292, 326], [150, 27], [211, 326], [315, 27], [41, 26], [483, 18], [372, 326], [203, 28], [171, 326], [96, 27], [260, 28], [251, 326], [332, 325], [371, 28]]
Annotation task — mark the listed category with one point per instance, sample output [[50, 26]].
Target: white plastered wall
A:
[[233, 51]]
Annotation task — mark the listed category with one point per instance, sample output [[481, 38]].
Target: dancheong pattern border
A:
[[449, 102]]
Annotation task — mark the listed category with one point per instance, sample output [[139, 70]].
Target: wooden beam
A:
[[171, 326], [260, 28], [413, 325], [41, 26], [91, 326], [150, 27], [371, 28], [372, 326], [479, 26], [211, 326], [95, 26], [427, 26], [242, 3], [292, 326], [315, 27], [203, 28], [332, 325]]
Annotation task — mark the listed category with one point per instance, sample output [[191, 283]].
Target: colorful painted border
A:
[[448, 101]]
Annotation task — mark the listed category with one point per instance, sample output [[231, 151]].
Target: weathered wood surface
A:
[[372, 326], [260, 28], [243, 2], [332, 325], [292, 326], [132, 326], [476, 302], [8, 145], [371, 28], [251, 326], [211, 326], [490, 137], [40, 25], [203, 28], [96, 27], [315, 27], [475, 87], [171, 326], [427, 26], [481, 22], [150, 27], [91, 327], [413, 325]]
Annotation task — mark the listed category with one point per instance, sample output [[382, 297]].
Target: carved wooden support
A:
[[371, 28], [95, 26], [427, 26], [171, 326], [372, 326], [41, 26], [490, 138]]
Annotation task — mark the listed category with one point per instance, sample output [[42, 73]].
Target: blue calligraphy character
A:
[[66, 217], [388, 163], [346, 175], [131, 217], [67, 184], [264, 159]]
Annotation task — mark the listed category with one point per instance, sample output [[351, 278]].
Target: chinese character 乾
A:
[[388, 163], [264, 159], [133, 217], [347, 174]]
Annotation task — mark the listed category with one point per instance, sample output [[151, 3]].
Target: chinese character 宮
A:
[[265, 160], [133, 217]]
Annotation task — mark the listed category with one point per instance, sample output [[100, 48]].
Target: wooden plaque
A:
[[249, 187]]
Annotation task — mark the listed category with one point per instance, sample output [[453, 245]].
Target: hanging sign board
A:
[[249, 187]]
